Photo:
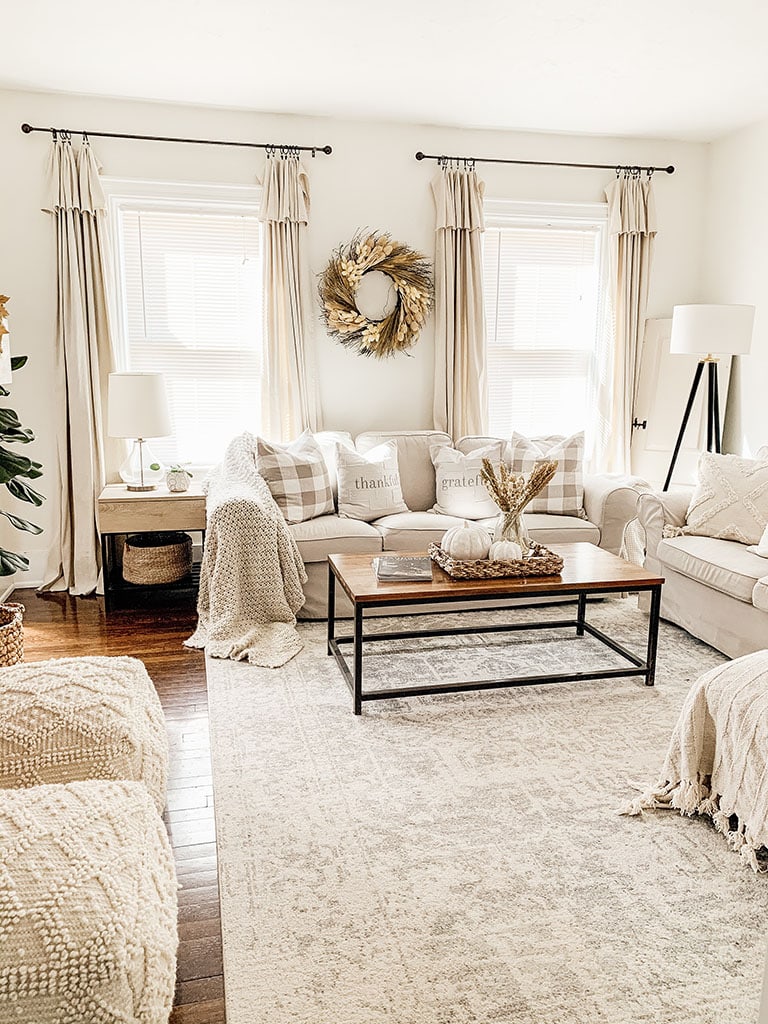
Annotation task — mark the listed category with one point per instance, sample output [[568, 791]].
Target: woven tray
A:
[[157, 558], [543, 562], [11, 633]]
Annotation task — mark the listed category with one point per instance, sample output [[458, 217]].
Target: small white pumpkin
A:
[[469, 541], [506, 549]]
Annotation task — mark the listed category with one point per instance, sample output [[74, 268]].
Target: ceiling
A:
[[688, 69]]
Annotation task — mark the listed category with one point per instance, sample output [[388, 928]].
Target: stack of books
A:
[[413, 568]]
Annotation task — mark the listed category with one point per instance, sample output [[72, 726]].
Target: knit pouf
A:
[[82, 718], [87, 906]]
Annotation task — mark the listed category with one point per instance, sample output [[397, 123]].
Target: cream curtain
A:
[[461, 401], [290, 393], [632, 232], [83, 358]]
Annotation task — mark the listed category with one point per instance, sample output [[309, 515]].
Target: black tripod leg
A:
[[686, 416]]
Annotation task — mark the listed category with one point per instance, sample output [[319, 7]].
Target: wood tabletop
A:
[[587, 567]]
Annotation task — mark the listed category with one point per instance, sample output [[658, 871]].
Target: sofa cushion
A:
[[334, 535], [552, 529], [297, 476], [459, 482], [417, 474], [327, 440], [414, 531], [369, 484], [760, 594], [731, 499], [719, 564]]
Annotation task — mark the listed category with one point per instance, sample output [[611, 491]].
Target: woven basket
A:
[[11, 633], [157, 557], [542, 562]]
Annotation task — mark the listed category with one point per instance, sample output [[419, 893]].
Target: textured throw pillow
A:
[[564, 495], [730, 501], [297, 476], [459, 486], [369, 485]]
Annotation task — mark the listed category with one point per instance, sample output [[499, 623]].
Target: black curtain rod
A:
[[65, 133], [541, 163]]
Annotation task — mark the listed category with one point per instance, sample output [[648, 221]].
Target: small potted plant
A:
[[178, 478]]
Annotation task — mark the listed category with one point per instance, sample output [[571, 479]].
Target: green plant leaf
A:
[[10, 563], [20, 436], [24, 492], [4, 391], [154, 465], [18, 361], [12, 465], [21, 524], [8, 418]]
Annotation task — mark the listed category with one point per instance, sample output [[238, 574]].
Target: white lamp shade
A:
[[703, 329], [137, 406]]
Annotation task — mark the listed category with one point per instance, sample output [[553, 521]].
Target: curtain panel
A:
[[632, 233], [83, 359], [461, 400], [290, 392]]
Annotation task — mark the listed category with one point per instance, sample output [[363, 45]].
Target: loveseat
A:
[[715, 589], [610, 501]]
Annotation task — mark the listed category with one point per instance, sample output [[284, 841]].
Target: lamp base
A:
[[138, 487], [141, 471]]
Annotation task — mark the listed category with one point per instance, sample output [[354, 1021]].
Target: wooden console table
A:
[[120, 511]]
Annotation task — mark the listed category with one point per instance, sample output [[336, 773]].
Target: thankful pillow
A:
[[459, 484], [730, 501], [369, 485], [297, 476], [564, 494]]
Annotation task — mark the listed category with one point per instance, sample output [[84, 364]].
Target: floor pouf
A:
[[82, 718], [87, 906]]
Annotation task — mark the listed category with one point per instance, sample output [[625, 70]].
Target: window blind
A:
[[542, 293], [192, 310]]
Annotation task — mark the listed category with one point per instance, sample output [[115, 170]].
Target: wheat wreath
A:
[[411, 274]]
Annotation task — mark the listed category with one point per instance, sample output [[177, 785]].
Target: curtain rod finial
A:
[[327, 150], [419, 155], [670, 169], [26, 128]]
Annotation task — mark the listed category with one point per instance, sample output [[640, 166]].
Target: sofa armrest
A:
[[657, 509], [610, 501]]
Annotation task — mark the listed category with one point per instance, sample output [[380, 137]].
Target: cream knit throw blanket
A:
[[252, 573], [717, 762]]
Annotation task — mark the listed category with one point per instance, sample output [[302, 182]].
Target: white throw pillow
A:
[[297, 476], [730, 501], [369, 485], [564, 494], [459, 486], [761, 548]]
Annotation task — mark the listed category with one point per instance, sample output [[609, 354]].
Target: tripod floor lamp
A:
[[703, 330]]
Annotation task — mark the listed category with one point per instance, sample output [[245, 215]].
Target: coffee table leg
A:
[[331, 607], [653, 635], [357, 654], [581, 614]]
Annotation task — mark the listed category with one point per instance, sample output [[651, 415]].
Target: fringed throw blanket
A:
[[717, 762], [252, 573]]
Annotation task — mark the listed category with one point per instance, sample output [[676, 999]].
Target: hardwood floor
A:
[[59, 626]]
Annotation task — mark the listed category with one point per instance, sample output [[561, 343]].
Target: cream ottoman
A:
[[87, 906], [82, 718]]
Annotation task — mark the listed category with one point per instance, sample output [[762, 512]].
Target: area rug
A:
[[459, 859]]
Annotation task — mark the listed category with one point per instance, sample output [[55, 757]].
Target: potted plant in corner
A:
[[177, 478]]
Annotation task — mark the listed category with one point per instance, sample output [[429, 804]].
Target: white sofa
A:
[[610, 502], [716, 589]]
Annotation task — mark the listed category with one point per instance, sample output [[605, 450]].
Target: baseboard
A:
[[6, 593]]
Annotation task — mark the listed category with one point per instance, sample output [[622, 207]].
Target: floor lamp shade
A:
[[706, 329], [137, 407]]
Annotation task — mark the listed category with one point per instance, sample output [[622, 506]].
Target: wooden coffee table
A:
[[587, 570]]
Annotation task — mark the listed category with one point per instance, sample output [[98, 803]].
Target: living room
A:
[[698, 102]]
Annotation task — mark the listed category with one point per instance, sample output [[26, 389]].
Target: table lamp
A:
[[137, 409], [702, 330]]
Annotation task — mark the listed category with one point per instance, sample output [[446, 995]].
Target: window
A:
[[189, 283], [542, 284]]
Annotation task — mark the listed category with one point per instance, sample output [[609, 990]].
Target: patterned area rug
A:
[[459, 859]]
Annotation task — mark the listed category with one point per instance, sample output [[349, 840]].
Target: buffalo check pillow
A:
[[564, 495], [297, 475]]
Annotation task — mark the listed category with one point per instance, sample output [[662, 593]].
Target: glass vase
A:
[[511, 526]]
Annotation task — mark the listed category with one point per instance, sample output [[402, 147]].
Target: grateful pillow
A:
[[730, 501], [297, 476], [369, 485], [564, 494], [459, 485]]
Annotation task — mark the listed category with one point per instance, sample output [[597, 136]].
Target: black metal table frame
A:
[[354, 676]]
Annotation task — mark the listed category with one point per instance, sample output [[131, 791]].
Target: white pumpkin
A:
[[469, 541], [506, 549]]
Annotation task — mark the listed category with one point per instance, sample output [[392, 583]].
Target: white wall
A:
[[736, 270], [371, 180]]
